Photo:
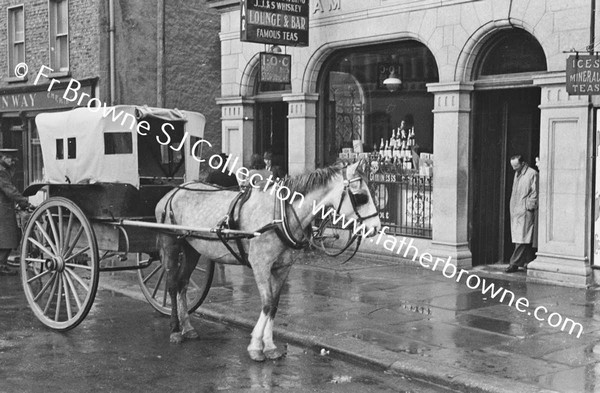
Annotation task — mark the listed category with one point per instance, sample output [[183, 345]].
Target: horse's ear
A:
[[362, 165]]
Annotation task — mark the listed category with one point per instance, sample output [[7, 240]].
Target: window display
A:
[[375, 106]]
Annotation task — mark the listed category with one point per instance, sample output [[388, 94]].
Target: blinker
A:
[[360, 199]]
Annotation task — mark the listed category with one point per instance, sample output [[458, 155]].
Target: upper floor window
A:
[[16, 38], [59, 35]]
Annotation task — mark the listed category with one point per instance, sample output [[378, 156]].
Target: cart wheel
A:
[[59, 264], [331, 238], [153, 281]]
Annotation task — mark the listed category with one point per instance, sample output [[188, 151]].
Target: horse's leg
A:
[[278, 276], [169, 252], [184, 274], [261, 276]]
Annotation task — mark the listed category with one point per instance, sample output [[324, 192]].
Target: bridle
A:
[[356, 199]]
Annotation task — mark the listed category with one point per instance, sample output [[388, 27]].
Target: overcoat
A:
[[9, 196], [523, 204]]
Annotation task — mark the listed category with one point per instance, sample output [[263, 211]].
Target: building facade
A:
[[153, 53], [482, 80]]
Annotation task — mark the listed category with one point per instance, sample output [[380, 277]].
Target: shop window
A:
[[389, 124], [36, 171], [360, 109], [16, 38], [510, 52], [59, 35]]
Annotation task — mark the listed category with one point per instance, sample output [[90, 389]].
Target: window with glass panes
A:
[[16, 38], [59, 35]]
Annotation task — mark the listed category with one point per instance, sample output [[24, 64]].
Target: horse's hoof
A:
[[273, 354], [191, 335], [256, 355], [176, 338]]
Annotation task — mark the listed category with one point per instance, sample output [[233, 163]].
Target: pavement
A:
[[400, 316]]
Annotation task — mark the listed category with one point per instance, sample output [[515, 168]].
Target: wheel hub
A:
[[55, 264]]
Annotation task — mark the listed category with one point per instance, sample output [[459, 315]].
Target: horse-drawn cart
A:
[[112, 173], [105, 172]]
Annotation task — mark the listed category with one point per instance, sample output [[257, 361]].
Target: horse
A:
[[270, 255]]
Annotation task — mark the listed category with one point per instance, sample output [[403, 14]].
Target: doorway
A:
[[13, 136], [505, 123], [271, 132]]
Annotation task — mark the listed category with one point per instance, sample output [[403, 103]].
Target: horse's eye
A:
[[361, 199]]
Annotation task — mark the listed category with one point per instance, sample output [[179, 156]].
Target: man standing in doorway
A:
[[523, 204], [9, 196]]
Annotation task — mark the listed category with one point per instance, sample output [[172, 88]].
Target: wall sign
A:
[[385, 70], [283, 22], [583, 75], [275, 68], [37, 100]]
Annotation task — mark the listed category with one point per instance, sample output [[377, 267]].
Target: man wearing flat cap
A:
[[9, 196]]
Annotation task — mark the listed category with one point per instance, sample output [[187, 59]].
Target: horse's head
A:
[[356, 200]]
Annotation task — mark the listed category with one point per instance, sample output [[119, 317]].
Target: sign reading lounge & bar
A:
[[282, 22]]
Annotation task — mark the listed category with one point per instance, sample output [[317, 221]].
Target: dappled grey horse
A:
[[270, 255]]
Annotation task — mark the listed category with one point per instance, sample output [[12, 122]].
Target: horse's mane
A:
[[308, 182]]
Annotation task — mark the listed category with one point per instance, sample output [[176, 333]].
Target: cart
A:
[[105, 169]]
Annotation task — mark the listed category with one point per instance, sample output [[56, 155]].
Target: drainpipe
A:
[[592, 140], [111, 41], [160, 52]]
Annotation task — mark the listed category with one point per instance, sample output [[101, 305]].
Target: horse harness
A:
[[280, 223]]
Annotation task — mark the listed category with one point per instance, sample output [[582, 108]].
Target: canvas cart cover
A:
[[73, 145]]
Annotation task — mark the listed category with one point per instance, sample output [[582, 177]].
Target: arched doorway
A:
[[506, 121]]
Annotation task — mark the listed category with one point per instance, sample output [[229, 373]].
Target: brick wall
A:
[[84, 38], [193, 63]]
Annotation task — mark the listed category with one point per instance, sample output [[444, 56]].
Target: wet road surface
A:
[[123, 346]]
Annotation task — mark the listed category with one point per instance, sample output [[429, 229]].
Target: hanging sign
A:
[[275, 68], [282, 22], [583, 75]]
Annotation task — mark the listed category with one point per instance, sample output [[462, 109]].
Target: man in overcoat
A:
[[9, 196], [523, 206]]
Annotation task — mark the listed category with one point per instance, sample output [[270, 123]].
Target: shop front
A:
[[437, 99], [390, 126], [18, 108]]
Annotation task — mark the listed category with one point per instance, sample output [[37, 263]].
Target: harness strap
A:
[[284, 232], [228, 222]]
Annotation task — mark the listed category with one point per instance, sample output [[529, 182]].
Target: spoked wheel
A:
[[59, 264], [330, 238], [153, 281]]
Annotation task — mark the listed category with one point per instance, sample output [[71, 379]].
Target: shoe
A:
[[6, 271], [512, 269]]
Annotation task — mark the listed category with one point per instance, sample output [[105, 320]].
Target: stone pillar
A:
[[302, 119], [237, 127], [451, 129], [564, 226]]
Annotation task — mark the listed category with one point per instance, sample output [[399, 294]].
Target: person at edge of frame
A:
[[9, 196], [523, 206], [221, 176]]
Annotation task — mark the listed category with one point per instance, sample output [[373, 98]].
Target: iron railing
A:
[[403, 198]]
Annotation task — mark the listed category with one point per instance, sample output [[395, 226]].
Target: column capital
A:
[[295, 97], [301, 105], [554, 92], [451, 96], [236, 108], [450, 87], [550, 78], [236, 100]]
